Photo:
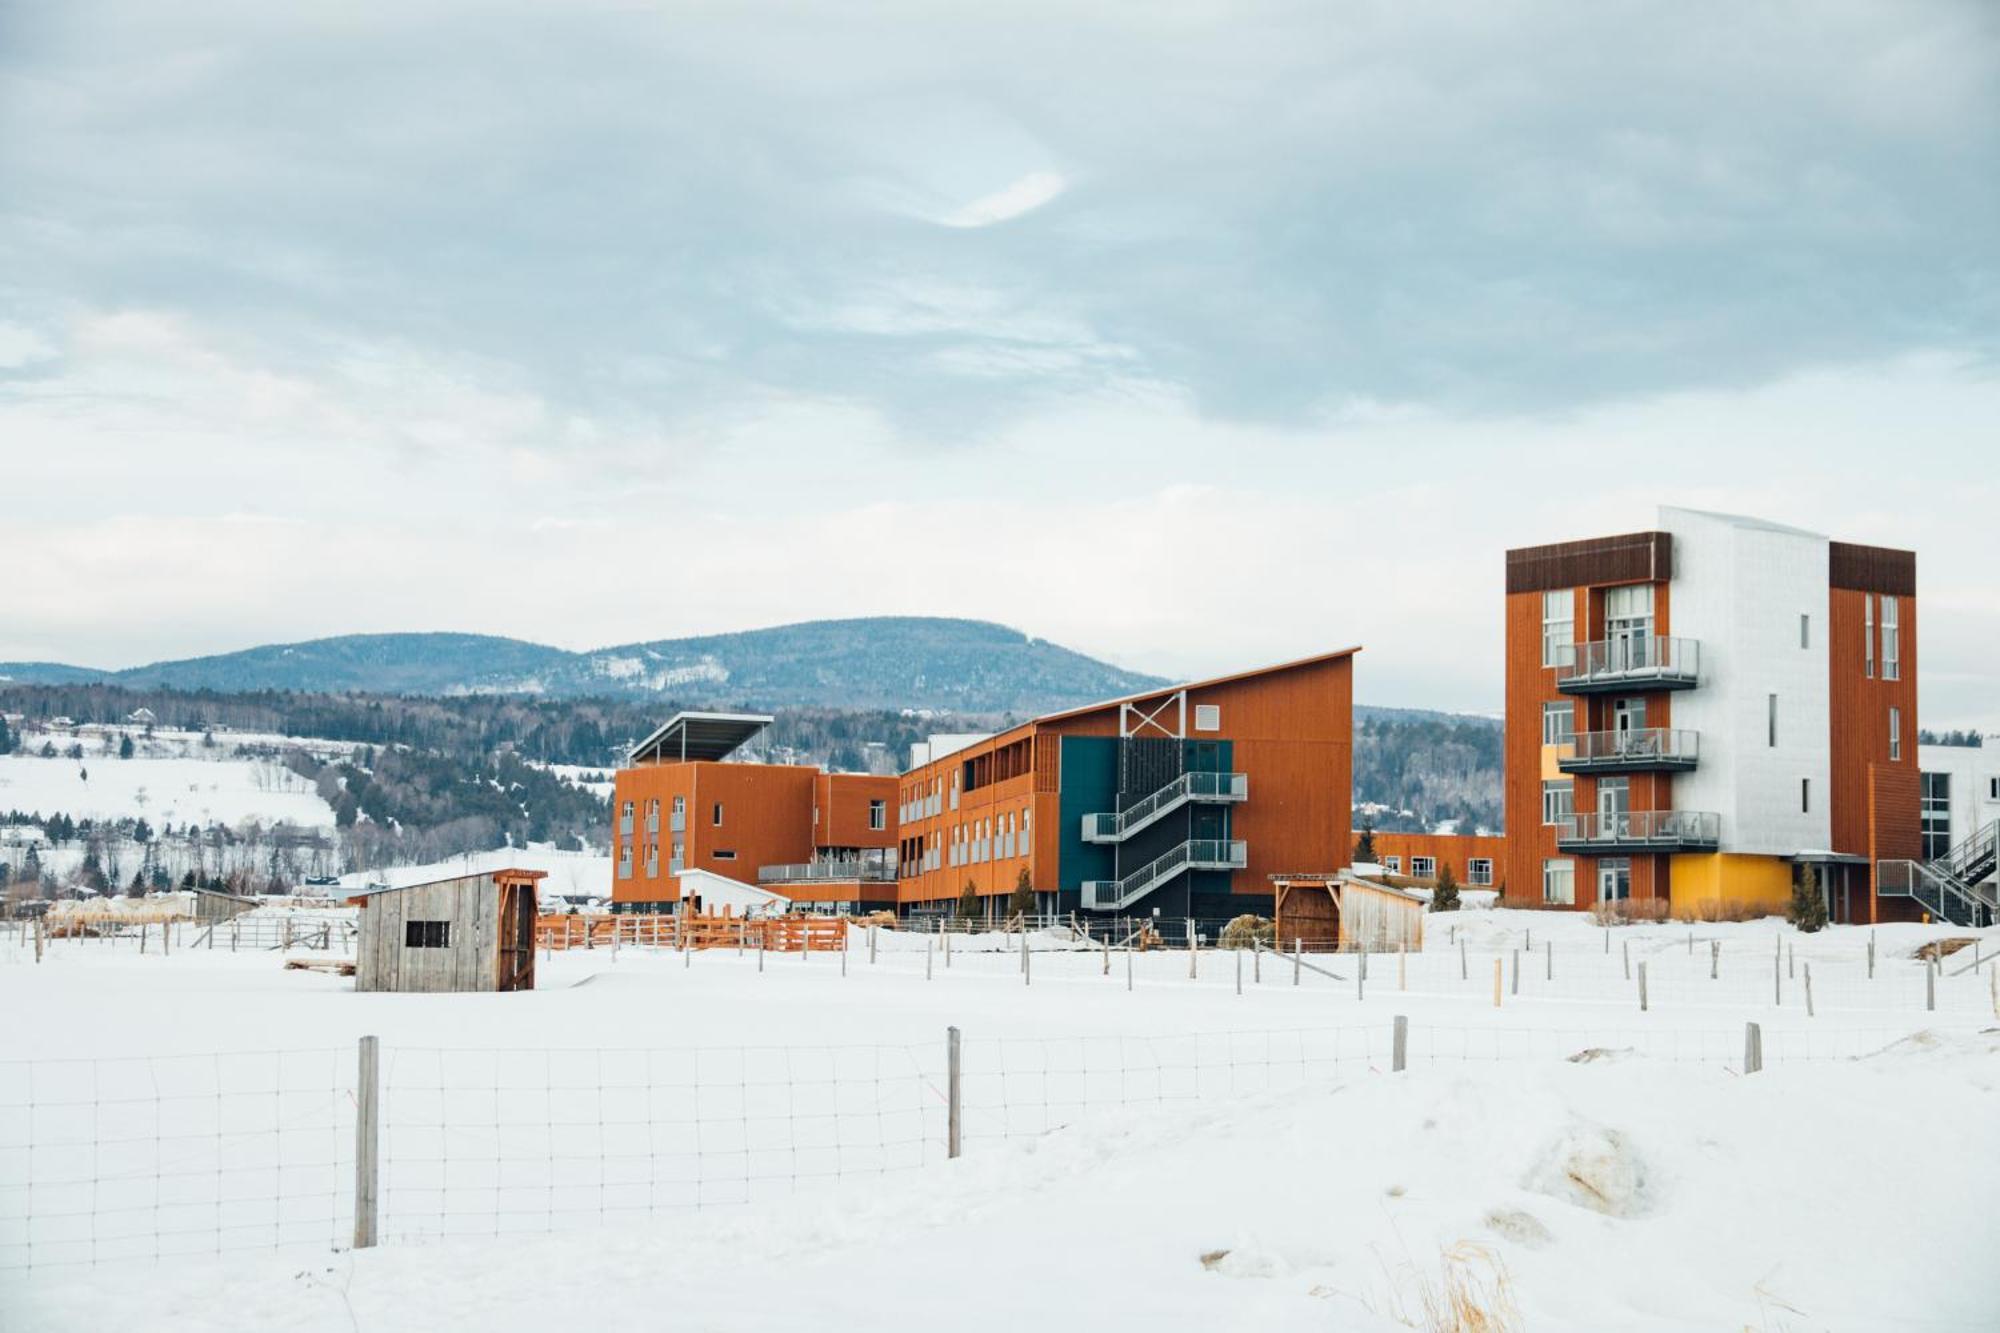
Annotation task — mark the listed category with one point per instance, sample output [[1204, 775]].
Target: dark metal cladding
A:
[[1632, 557], [1873, 569]]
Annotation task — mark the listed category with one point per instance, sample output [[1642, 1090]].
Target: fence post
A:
[[1642, 987], [1496, 983], [1191, 955], [1871, 955], [1714, 958], [1515, 988], [1930, 984], [1753, 1048], [1403, 966], [1361, 979], [1107, 954], [1401, 1045], [1809, 1004], [1549, 955], [843, 946], [1463, 974], [1625, 952], [1026, 965], [947, 945], [166, 938], [617, 929], [761, 941], [1530, 940], [1777, 981], [142, 939], [953, 1101], [367, 1133], [871, 944], [1791, 961], [1239, 971], [1128, 967], [1298, 957], [1607, 941], [1257, 961], [39, 926]]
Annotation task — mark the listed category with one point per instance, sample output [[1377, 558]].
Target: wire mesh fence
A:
[[157, 1158]]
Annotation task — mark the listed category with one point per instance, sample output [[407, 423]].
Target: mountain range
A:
[[895, 662]]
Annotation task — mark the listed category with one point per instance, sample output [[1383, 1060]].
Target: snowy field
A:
[[576, 875], [713, 1142], [174, 790]]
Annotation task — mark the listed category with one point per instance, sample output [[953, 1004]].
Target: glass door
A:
[[1614, 878], [1628, 626], [1628, 721], [1614, 808]]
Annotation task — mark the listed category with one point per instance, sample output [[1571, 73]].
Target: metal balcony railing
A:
[[1635, 749], [868, 869], [1641, 830], [1633, 661], [1111, 895], [1208, 788]]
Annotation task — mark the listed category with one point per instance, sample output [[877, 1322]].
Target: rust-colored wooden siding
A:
[[1863, 815], [841, 802], [1447, 849]]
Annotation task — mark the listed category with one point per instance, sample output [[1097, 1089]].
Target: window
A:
[[1479, 870], [1207, 717], [1937, 814], [1868, 634], [723, 855], [1559, 880], [1424, 867], [652, 861], [1993, 789], [716, 814], [878, 814], [679, 858], [1805, 796], [1892, 639], [625, 861], [1558, 627], [1805, 630], [1393, 864], [1895, 734], [1614, 878], [1558, 802], [680, 805], [625, 818], [427, 934], [1771, 721], [1558, 724]]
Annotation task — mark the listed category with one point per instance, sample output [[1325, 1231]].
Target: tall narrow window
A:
[[1895, 734], [1771, 720], [1558, 627], [1558, 723], [1558, 802], [1868, 634], [878, 814], [1892, 645], [717, 815]]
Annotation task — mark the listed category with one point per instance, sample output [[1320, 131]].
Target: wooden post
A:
[[1239, 971], [1026, 974], [1642, 987], [1403, 966], [929, 945], [1400, 1045], [1791, 961], [1463, 973], [1753, 1048], [1690, 944], [142, 939], [1777, 981], [1530, 933], [742, 929], [1549, 960], [871, 944], [166, 938], [1496, 983], [954, 1102], [1809, 1003], [1298, 958], [1361, 978], [367, 1133], [234, 927], [760, 950], [1106, 947], [39, 926], [1515, 988], [843, 946], [1930, 984], [1257, 962], [1191, 949], [947, 945], [1714, 959], [1128, 967], [1625, 952], [1871, 955], [1607, 941], [617, 930]]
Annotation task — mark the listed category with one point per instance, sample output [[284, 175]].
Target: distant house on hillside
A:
[[143, 717]]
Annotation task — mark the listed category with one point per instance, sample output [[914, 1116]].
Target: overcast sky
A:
[[1189, 335]]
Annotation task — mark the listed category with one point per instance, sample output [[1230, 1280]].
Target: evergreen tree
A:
[[1808, 909], [6, 738], [1022, 904], [125, 745], [1364, 846], [968, 903], [1444, 898], [137, 888]]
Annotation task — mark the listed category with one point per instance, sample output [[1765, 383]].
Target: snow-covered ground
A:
[[1175, 1155], [161, 790]]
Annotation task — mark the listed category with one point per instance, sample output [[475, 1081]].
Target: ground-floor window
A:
[[1393, 864], [1614, 878], [1559, 880], [1479, 870], [1423, 867]]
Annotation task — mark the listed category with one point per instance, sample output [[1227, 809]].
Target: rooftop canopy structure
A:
[[709, 736]]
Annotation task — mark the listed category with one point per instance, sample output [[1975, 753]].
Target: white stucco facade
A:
[[1740, 588]]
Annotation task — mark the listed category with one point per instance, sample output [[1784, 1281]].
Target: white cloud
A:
[[21, 346], [1022, 197]]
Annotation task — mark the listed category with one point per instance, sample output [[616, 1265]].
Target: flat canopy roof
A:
[[699, 736]]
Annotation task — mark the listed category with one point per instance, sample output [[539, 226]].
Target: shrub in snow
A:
[[1444, 897], [1593, 1167], [1807, 909]]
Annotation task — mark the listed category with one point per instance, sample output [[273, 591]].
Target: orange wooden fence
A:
[[785, 934]]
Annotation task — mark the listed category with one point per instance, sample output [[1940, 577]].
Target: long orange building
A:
[[1182, 801]]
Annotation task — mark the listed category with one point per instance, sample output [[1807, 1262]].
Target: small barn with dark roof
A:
[[468, 933]]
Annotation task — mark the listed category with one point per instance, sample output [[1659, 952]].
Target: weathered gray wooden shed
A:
[[471, 933]]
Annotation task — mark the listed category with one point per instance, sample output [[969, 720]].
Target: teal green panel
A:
[[1089, 786]]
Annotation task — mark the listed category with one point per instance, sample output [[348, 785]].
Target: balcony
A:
[[1633, 663], [1634, 750], [1641, 831], [875, 868]]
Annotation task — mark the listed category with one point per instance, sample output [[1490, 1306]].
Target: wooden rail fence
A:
[[785, 934]]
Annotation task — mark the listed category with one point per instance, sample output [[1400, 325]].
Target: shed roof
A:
[[510, 873], [699, 736]]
